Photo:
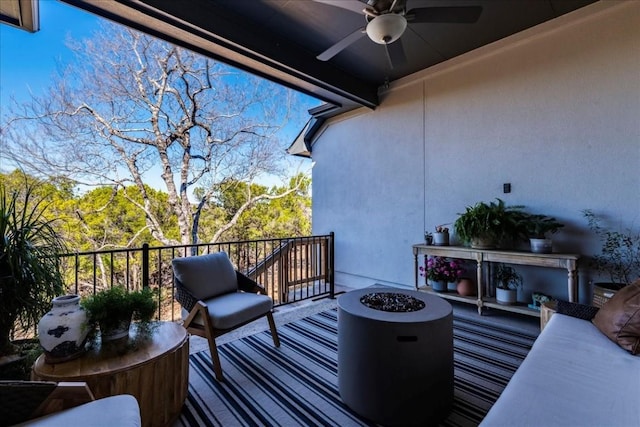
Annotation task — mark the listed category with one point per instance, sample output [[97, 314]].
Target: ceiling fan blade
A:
[[342, 44], [352, 5], [395, 54], [455, 15]]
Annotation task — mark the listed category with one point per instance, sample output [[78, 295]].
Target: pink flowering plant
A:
[[442, 269]]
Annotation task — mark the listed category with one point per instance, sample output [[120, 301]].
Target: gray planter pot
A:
[[506, 296], [541, 246]]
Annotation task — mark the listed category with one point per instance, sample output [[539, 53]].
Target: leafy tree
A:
[[281, 213], [132, 107]]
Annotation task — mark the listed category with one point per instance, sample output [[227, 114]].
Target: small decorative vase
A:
[[112, 332], [466, 287], [63, 331], [438, 286], [452, 287], [441, 239]]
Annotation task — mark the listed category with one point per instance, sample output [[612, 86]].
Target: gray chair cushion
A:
[[231, 310], [206, 276]]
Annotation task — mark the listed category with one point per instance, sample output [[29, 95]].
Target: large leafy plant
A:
[[29, 272], [494, 220]]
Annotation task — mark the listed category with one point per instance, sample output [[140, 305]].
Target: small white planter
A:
[[440, 239], [541, 246], [506, 296]]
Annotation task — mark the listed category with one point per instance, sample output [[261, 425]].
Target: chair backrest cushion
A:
[[206, 276]]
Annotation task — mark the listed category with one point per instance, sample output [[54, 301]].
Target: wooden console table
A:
[[155, 371], [553, 260]]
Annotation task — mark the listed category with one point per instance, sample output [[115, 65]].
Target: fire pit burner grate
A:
[[388, 301]]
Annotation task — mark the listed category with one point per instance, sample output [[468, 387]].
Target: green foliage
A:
[[506, 277], [110, 219], [285, 216], [105, 218], [29, 272], [619, 256], [112, 305], [494, 220], [538, 225]]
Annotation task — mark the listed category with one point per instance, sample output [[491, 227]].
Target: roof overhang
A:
[[23, 14], [219, 34]]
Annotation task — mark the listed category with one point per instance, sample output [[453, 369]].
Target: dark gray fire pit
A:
[[394, 367]]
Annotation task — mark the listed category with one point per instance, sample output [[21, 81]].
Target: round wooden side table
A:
[[155, 370]]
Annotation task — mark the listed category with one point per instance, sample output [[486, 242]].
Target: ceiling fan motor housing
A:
[[387, 28]]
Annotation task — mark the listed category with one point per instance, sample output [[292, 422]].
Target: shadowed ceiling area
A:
[[282, 39]]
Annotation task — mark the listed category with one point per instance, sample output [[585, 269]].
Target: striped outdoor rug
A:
[[296, 385]]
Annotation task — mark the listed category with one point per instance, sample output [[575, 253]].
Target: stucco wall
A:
[[555, 113]]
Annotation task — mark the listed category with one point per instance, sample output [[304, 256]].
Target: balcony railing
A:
[[291, 269]]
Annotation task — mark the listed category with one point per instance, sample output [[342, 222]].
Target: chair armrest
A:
[[198, 308], [574, 309], [247, 284], [183, 296]]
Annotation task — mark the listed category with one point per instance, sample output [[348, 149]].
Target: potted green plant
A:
[[618, 260], [507, 281], [114, 308], [485, 225], [30, 277], [539, 227]]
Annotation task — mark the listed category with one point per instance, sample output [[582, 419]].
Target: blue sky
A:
[[28, 60]]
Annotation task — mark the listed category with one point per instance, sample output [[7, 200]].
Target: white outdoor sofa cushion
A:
[[573, 376]]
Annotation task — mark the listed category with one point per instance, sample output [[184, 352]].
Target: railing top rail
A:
[[200, 245]]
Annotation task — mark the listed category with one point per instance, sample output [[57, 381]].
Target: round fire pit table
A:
[[395, 367]]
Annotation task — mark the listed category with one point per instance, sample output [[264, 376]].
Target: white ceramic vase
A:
[[63, 330]]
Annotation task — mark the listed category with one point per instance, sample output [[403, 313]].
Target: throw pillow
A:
[[619, 318]]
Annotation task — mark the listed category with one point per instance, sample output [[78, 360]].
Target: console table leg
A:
[[415, 267], [572, 280]]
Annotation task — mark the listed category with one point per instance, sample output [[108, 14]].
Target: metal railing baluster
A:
[[291, 269]]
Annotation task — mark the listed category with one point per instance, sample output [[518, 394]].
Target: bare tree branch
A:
[[132, 108]]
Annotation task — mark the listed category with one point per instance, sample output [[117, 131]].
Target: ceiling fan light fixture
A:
[[385, 29]]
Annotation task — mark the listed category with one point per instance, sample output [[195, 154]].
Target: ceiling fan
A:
[[386, 21]]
